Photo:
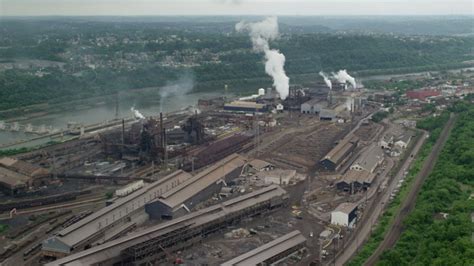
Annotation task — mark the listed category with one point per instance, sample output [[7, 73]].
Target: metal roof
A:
[[346, 207], [88, 226], [369, 159], [362, 176], [114, 248], [269, 250], [12, 179], [245, 104], [178, 195], [340, 150]]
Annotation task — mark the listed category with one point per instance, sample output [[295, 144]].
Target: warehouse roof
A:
[[71, 235], [363, 176], [340, 150], [12, 179], [115, 248], [271, 249], [258, 164], [23, 167], [245, 104], [346, 207], [176, 196], [370, 158]]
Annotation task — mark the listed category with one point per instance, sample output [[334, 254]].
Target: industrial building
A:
[[327, 115], [149, 244], [17, 176], [313, 106], [111, 220], [279, 176], [271, 252], [344, 214], [336, 157], [369, 159], [184, 197], [355, 180], [260, 165], [246, 107]]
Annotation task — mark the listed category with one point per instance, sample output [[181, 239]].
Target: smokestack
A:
[[161, 130], [123, 136]]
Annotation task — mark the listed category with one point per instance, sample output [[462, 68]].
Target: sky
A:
[[233, 7]]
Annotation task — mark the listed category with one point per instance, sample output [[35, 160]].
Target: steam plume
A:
[[261, 33], [343, 77], [178, 89], [326, 79], [137, 114]]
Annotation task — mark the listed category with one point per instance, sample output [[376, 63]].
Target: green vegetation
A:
[[379, 116], [3, 228], [104, 57], [434, 125], [109, 194], [431, 237], [12, 152]]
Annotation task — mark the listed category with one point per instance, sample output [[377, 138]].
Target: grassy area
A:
[[388, 216], [3, 228]]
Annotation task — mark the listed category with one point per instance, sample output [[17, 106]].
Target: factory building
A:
[[313, 106], [260, 165], [145, 245], [245, 107], [279, 176], [339, 154], [369, 160], [17, 176], [112, 220], [345, 214], [327, 115], [354, 180], [183, 198], [272, 251]]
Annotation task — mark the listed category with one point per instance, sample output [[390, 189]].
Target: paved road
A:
[[367, 221], [407, 206]]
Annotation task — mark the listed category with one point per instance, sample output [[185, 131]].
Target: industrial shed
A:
[[327, 115], [340, 153], [16, 176], [272, 251], [111, 219], [247, 107], [171, 235], [344, 214], [369, 160], [181, 199], [354, 180], [313, 106]]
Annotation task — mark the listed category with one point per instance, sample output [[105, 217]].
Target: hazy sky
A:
[[234, 7]]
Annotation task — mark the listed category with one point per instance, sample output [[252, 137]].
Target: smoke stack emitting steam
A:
[[326, 79], [343, 77], [260, 33], [137, 114]]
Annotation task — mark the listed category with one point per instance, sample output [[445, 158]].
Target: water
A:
[[105, 112]]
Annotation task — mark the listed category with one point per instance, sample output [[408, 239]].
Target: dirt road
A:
[[407, 205]]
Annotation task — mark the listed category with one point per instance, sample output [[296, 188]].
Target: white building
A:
[[344, 214], [279, 177]]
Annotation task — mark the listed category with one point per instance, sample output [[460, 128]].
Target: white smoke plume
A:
[[261, 33], [326, 79], [137, 114], [177, 89], [343, 77]]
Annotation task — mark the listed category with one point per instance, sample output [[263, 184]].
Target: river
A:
[[104, 112]]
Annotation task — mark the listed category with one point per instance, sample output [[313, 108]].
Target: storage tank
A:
[[261, 92]]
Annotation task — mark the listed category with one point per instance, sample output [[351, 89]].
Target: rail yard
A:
[[229, 181]]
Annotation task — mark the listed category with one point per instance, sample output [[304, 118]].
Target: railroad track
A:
[[407, 206]]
